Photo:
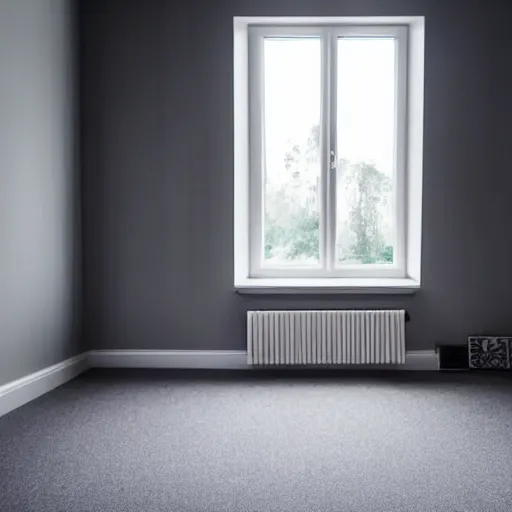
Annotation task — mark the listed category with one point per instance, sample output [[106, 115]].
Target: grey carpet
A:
[[207, 442]]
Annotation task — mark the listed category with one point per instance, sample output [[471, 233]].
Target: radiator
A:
[[325, 337]]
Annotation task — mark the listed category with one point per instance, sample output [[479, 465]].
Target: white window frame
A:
[[403, 276]]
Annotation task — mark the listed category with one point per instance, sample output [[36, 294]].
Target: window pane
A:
[[365, 231], [292, 90]]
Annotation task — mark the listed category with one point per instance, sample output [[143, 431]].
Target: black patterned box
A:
[[490, 352]]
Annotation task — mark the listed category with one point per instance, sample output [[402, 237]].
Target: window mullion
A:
[[331, 151], [325, 152]]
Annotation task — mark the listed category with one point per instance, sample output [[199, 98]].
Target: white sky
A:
[[365, 96]]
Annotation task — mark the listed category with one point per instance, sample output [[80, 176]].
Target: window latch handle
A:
[[332, 163]]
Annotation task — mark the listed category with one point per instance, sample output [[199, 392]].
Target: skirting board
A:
[[416, 360], [19, 392], [200, 359]]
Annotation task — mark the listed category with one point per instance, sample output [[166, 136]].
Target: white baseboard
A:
[[416, 360], [200, 359], [19, 392]]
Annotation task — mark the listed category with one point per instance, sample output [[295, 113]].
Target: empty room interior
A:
[[253, 256]]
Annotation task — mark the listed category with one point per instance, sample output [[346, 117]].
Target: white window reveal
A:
[[328, 154]]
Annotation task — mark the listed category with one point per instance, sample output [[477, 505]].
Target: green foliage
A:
[[298, 241], [292, 226], [369, 186], [386, 254], [273, 236], [304, 236]]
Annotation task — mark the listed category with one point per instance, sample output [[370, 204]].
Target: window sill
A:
[[327, 286]]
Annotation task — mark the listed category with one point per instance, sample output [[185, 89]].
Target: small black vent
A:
[[453, 357]]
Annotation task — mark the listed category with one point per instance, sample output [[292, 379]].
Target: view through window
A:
[[329, 136]]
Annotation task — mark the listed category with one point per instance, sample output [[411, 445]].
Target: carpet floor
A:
[[138, 441]]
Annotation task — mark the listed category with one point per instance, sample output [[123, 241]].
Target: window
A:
[[324, 175]]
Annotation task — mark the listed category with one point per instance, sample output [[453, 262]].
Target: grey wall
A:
[[158, 173], [38, 223]]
